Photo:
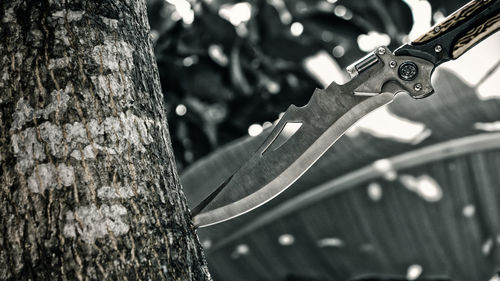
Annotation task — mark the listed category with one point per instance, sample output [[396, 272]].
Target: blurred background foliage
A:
[[229, 68]]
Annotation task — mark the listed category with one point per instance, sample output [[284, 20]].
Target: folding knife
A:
[[303, 134]]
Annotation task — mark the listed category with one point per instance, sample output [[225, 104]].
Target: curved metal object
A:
[[268, 174], [326, 117], [418, 87], [406, 160]]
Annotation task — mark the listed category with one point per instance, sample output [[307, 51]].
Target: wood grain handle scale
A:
[[475, 35], [459, 16], [457, 33]]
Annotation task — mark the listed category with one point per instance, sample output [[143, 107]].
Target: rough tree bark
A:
[[89, 189]]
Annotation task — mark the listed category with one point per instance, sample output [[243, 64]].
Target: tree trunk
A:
[[89, 189]]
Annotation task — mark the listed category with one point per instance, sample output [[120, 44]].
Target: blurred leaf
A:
[[206, 83]]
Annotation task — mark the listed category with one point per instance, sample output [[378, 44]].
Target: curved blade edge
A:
[[296, 169]]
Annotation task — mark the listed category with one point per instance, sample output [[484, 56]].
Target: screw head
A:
[[408, 71], [392, 64], [437, 29], [417, 87], [438, 48], [381, 50]]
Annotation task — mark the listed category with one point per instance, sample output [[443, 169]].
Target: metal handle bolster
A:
[[362, 64]]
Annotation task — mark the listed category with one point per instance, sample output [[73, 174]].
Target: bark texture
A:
[[89, 189]]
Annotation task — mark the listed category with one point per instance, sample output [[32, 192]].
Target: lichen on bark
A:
[[89, 189]]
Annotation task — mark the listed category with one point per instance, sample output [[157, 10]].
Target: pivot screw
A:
[[408, 71], [392, 64], [438, 48], [417, 87], [437, 29], [381, 50]]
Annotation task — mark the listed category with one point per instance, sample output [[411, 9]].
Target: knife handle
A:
[[475, 35], [457, 33]]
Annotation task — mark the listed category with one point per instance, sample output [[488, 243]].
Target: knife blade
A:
[[304, 134]]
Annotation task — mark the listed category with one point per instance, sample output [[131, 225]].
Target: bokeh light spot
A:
[[296, 28]]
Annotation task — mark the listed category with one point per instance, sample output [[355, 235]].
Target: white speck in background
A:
[[385, 167], [240, 250], [286, 239], [340, 11], [469, 211], [180, 110], [207, 243], [296, 29], [414, 271], [330, 242], [382, 123], [217, 54], [488, 127], [368, 42], [374, 191], [424, 185], [324, 69], [487, 246], [184, 10], [255, 130], [237, 13], [421, 11], [338, 51]]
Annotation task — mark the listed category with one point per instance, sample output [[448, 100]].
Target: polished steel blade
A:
[[296, 142], [270, 171]]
